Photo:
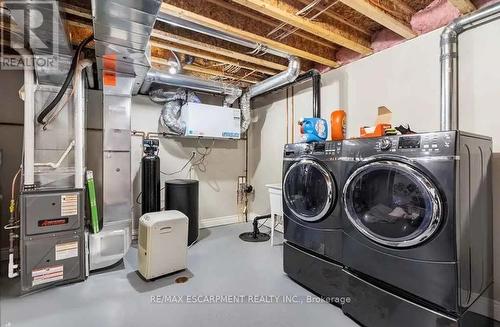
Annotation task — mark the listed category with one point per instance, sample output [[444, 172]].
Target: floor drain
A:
[[180, 280]]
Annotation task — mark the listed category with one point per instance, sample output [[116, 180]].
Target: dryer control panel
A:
[[412, 145]]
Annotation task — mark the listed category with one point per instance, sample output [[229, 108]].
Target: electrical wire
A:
[[177, 59], [265, 221], [13, 185], [183, 167], [41, 117], [140, 193], [201, 164]]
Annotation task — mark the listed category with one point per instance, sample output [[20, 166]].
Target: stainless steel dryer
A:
[[417, 225], [312, 182]]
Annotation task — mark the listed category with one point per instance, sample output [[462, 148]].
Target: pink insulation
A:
[[322, 68], [484, 3], [384, 39], [345, 56], [439, 13]]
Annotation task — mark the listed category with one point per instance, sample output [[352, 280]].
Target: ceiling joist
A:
[[286, 13], [380, 16], [191, 47], [263, 19], [206, 71], [209, 56], [165, 36], [322, 6], [464, 6], [78, 31], [179, 12]]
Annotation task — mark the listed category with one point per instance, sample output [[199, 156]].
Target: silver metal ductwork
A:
[[49, 44], [232, 93], [193, 83], [275, 81], [280, 79], [449, 61], [122, 29]]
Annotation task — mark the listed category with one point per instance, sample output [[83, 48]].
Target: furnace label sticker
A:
[[69, 204], [47, 275], [66, 250]]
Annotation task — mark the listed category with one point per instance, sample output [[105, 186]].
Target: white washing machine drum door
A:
[[392, 203], [309, 190]]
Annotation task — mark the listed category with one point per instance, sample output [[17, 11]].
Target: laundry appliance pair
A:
[[400, 226]]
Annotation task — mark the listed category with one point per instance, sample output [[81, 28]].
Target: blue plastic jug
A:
[[313, 129]]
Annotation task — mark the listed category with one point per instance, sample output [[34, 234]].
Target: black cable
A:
[[183, 167], [64, 87], [140, 193], [262, 224]]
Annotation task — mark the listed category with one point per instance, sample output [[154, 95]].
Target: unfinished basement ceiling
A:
[[323, 33]]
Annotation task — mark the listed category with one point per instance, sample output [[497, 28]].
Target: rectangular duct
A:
[[121, 31], [48, 41]]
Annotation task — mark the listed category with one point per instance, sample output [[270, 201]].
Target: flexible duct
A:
[[160, 96], [449, 61], [275, 81], [170, 114], [232, 92]]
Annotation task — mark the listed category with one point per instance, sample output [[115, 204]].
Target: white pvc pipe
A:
[[79, 121], [55, 165], [29, 126]]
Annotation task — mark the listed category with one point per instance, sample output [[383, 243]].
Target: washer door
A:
[[309, 190], [392, 203]]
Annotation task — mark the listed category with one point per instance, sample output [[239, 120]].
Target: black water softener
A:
[[182, 195], [150, 166]]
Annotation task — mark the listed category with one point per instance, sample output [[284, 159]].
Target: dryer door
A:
[[392, 203], [309, 190]]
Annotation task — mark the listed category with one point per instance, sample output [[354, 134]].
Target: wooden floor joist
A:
[[76, 11], [464, 6], [404, 7], [162, 63], [270, 22], [206, 71], [78, 31], [383, 18], [179, 12], [284, 12], [336, 17], [217, 50], [209, 56], [221, 54]]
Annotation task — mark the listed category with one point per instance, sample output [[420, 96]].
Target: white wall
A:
[[406, 79], [218, 185]]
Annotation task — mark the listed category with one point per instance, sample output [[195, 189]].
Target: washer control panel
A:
[[328, 149]]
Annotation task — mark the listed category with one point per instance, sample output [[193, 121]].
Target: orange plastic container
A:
[[338, 125], [379, 131]]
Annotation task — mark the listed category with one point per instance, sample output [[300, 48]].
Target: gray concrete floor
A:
[[219, 264]]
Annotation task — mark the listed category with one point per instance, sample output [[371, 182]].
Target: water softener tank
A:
[[182, 195], [150, 166]]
